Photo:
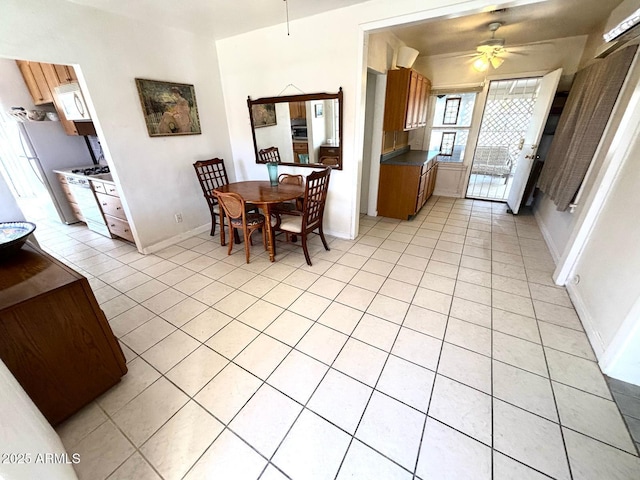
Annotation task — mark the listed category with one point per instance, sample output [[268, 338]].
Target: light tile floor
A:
[[434, 348]]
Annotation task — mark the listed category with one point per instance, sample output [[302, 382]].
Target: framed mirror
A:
[[306, 130]]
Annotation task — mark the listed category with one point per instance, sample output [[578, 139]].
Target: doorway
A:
[[507, 113]]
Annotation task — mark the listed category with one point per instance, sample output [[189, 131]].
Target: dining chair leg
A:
[[304, 248], [213, 224], [222, 239], [247, 241], [324, 241], [231, 229]]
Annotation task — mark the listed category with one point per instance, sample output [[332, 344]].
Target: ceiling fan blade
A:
[[509, 52], [533, 46]]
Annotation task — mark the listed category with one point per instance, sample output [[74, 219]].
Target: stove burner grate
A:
[[91, 171]]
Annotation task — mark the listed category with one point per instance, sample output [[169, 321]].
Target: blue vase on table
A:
[[272, 168]]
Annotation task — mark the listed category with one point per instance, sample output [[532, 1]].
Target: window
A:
[[447, 143], [451, 123], [451, 110]]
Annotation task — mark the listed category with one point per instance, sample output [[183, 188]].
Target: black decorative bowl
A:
[[13, 235]]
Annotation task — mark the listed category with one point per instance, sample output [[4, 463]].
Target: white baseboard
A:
[[587, 322], [548, 239], [156, 247]]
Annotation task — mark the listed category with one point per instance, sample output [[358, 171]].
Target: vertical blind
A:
[[582, 123]]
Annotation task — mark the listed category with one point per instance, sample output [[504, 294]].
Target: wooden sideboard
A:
[[53, 336]]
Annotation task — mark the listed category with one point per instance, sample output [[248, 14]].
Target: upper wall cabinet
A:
[[406, 100], [298, 110], [36, 82], [63, 74], [41, 80]]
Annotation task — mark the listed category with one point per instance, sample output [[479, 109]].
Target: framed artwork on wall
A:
[[264, 115], [169, 108], [319, 110]]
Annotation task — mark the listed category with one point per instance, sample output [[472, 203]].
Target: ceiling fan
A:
[[491, 51]]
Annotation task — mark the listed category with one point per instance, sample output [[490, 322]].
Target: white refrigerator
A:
[[46, 148]]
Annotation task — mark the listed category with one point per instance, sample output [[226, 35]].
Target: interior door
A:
[[548, 87]]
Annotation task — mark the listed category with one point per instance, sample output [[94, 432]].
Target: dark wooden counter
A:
[[53, 336], [407, 180]]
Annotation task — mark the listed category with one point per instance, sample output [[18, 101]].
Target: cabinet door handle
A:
[[118, 208], [104, 204]]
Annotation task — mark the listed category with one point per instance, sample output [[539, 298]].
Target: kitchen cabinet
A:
[[36, 82], [41, 80], [299, 148], [406, 100], [406, 183], [54, 338], [63, 74], [53, 79], [73, 201], [111, 206], [298, 110]]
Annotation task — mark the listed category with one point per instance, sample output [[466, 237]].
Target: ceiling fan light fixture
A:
[[481, 63], [496, 61]]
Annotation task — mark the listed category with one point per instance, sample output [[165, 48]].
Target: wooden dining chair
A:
[[235, 210], [268, 155], [211, 175], [313, 203], [289, 179]]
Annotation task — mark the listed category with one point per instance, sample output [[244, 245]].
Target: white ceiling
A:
[[216, 18], [521, 25], [224, 18]]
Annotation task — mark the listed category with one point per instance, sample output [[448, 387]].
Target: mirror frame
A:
[[299, 98]]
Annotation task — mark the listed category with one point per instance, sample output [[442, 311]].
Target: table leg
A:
[[271, 243]]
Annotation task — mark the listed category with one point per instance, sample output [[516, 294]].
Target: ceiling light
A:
[[481, 63], [496, 61]]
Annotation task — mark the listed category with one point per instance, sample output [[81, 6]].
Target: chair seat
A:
[[291, 224], [252, 219]]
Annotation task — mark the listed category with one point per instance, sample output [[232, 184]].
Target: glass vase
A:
[[272, 168]]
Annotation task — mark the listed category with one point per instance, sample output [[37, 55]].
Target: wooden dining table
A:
[[264, 196]]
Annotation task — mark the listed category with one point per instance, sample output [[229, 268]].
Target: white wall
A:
[[155, 174], [610, 263], [278, 135], [23, 429]]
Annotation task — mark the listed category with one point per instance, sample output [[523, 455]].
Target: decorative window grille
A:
[[447, 143], [451, 111]]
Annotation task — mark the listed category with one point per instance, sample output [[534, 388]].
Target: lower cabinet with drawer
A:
[[404, 189], [111, 206], [329, 154], [73, 202]]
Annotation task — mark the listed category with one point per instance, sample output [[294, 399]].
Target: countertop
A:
[[411, 158], [103, 177]]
